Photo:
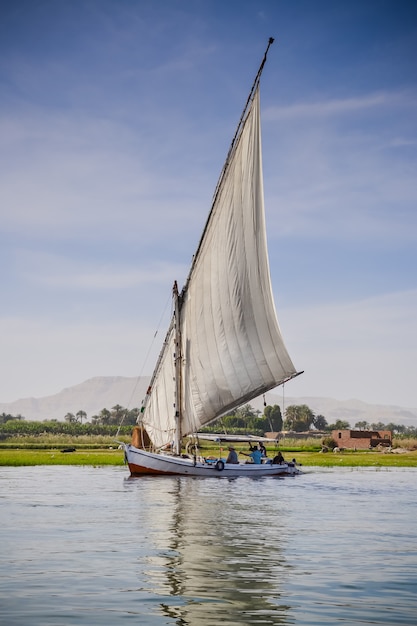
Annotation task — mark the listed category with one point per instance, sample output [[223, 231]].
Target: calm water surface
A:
[[89, 546]]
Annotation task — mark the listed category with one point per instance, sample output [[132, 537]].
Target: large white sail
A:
[[232, 348]]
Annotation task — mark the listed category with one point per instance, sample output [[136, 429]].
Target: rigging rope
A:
[[144, 363]]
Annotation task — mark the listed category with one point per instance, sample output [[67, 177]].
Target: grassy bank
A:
[[28, 457], [357, 459], [105, 456]]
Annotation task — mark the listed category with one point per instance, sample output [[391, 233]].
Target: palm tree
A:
[[117, 413], [274, 417], [105, 416], [298, 417], [81, 415]]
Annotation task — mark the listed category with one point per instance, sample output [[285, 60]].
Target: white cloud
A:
[[346, 180], [364, 349], [42, 269], [342, 106], [74, 172], [45, 356], [361, 349]]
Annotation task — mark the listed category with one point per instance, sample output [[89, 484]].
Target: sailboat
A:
[[224, 345]]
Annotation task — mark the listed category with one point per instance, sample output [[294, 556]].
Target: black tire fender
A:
[[219, 466]]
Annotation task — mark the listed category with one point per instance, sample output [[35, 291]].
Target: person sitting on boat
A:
[[255, 455], [278, 459], [263, 450], [232, 457]]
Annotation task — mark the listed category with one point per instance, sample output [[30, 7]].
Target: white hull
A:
[[148, 463]]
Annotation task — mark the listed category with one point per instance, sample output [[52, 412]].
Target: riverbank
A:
[[106, 456]]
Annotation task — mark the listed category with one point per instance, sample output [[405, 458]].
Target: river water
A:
[[83, 545]]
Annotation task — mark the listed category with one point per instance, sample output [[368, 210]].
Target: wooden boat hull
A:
[[142, 463]]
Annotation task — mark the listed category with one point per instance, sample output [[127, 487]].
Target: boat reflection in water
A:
[[214, 554]]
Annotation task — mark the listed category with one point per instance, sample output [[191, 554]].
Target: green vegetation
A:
[[117, 415], [357, 459], [298, 418], [308, 458], [16, 458], [40, 443], [17, 428]]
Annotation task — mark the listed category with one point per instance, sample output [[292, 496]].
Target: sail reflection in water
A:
[[217, 559]]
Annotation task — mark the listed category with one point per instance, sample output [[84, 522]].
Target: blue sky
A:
[[115, 118]]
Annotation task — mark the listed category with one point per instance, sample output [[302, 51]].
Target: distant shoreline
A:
[[102, 457], [106, 391]]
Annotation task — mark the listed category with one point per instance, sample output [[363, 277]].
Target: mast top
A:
[[227, 161], [254, 86], [244, 113]]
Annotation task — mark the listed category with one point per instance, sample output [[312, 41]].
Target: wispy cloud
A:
[[42, 269], [346, 177], [90, 177], [342, 106], [356, 345]]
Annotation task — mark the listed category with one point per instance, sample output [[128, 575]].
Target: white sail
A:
[[232, 348], [159, 413]]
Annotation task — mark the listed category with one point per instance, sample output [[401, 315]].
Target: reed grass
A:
[[19, 458], [409, 443], [96, 450], [357, 459], [106, 456]]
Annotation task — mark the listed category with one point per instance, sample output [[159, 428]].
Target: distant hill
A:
[[106, 391], [102, 392]]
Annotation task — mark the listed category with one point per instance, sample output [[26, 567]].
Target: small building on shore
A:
[[361, 439]]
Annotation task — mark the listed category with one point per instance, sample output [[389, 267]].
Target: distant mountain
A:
[[354, 411], [104, 392]]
